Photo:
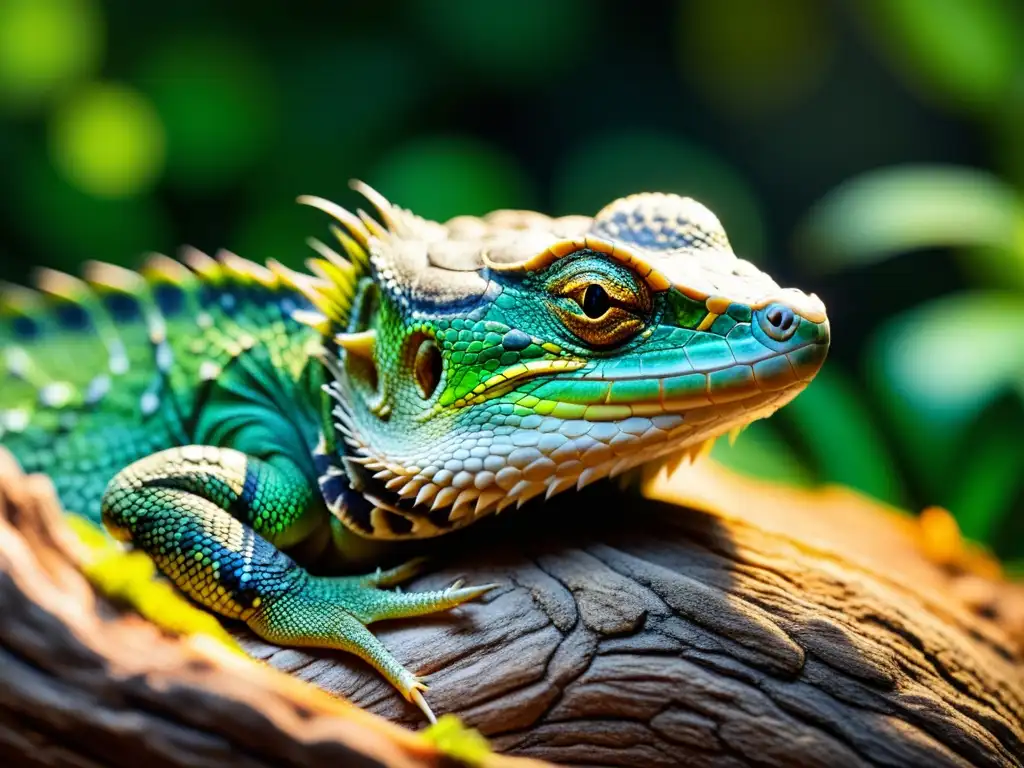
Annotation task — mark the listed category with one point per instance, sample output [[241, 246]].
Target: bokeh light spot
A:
[[441, 177], [45, 46], [107, 139]]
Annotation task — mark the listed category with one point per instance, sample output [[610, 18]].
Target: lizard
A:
[[241, 423]]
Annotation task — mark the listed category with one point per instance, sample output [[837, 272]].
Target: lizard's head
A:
[[486, 361]]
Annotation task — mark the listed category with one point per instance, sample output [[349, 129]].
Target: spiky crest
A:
[[332, 287]]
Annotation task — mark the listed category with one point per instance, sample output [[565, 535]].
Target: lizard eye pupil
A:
[[595, 301]]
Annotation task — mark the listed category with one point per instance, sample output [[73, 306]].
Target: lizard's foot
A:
[[174, 506], [333, 613]]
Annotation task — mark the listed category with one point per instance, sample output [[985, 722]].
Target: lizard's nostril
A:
[[780, 318], [779, 322]]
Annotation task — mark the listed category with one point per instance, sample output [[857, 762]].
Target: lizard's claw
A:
[[335, 612], [417, 698], [459, 594]]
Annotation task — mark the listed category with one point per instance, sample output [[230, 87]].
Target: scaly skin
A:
[[218, 414]]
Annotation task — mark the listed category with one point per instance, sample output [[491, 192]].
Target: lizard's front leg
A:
[[213, 518]]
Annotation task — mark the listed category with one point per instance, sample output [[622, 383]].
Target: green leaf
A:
[[886, 212], [840, 434], [989, 468], [760, 451], [936, 367], [962, 53], [953, 355]]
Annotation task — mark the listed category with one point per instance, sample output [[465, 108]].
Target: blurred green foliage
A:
[[867, 151], [218, 104]]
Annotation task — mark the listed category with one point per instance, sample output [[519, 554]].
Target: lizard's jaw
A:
[[481, 464]]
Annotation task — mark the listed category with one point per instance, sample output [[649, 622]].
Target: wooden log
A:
[[717, 621], [85, 683], [767, 627]]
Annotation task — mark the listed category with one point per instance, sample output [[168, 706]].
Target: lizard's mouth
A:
[[485, 468]]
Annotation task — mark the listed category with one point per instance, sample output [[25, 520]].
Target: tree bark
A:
[[85, 684], [704, 620]]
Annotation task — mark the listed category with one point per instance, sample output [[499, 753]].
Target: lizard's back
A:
[[101, 371]]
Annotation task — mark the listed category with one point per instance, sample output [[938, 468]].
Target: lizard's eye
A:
[[595, 301], [602, 312]]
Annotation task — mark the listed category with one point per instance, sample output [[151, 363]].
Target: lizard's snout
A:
[[790, 335], [778, 321]]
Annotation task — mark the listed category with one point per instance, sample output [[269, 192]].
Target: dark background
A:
[[871, 152]]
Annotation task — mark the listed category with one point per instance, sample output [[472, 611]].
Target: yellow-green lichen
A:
[[453, 738], [130, 578]]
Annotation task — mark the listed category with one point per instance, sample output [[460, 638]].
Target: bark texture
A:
[[86, 684], [705, 620]]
